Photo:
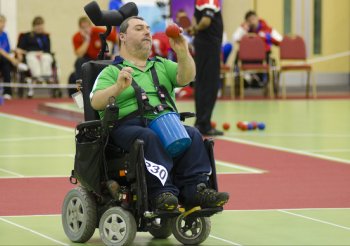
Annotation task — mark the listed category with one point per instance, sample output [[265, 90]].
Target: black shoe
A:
[[166, 202], [209, 198], [213, 132]]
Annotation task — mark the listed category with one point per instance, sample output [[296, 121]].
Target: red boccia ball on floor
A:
[[226, 126], [213, 124]]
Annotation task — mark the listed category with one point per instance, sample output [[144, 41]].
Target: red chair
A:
[[252, 57], [292, 48]]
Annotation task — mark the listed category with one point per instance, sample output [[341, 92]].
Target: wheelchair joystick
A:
[[110, 116]]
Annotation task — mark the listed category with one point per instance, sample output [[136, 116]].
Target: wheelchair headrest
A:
[[90, 71], [110, 17]]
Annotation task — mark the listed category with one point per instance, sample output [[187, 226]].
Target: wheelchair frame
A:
[[107, 207]]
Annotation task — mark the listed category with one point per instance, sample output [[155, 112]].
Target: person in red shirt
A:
[[254, 24], [87, 43], [160, 45]]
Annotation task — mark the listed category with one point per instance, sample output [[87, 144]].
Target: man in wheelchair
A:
[[144, 89]]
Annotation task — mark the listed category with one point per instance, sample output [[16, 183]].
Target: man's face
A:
[[138, 36], [85, 27], [39, 28], [2, 25], [253, 21]]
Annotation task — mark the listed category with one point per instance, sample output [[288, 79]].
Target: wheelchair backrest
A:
[[90, 71]]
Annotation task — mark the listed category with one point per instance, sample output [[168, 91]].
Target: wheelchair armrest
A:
[[87, 124], [185, 115]]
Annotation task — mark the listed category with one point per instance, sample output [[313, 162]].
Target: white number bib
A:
[[157, 170]]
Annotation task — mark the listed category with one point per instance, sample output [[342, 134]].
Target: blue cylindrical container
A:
[[172, 133]]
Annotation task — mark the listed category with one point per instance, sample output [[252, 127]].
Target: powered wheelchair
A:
[[112, 191]]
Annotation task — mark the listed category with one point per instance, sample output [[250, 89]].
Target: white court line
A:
[[288, 135], [235, 166], [37, 155], [12, 173], [300, 152], [36, 122], [35, 138], [226, 210], [328, 150], [313, 219], [21, 216], [290, 209], [34, 232], [225, 240], [34, 177]]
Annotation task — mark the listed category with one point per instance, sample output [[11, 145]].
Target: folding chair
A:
[[293, 48], [252, 58]]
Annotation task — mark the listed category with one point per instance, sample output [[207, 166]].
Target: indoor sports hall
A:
[[284, 156]]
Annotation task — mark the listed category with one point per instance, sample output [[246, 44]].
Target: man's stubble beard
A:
[[143, 51]]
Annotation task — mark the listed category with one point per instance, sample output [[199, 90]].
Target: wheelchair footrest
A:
[[163, 214], [205, 212]]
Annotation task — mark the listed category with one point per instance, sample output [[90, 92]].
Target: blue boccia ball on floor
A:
[[250, 126], [261, 126]]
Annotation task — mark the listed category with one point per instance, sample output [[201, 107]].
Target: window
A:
[[317, 26], [287, 21]]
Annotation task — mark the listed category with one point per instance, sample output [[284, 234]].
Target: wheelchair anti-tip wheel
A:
[[191, 230], [161, 229], [117, 227], [79, 216]]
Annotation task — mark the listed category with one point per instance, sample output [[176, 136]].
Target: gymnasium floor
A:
[[289, 184]]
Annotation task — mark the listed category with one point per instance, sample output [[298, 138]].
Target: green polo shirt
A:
[[126, 101]]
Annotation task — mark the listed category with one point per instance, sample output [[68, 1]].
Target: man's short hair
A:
[[2, 18], [83, 19], [125, 24], [38, 20], [249, 13]]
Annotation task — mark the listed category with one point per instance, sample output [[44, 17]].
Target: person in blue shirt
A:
[[6, 60]]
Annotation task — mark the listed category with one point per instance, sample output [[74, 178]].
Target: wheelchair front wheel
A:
[[117, 227], [79, 216], [161, 230], [191, 230]]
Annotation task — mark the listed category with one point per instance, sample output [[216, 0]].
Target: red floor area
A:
[[291, 181]]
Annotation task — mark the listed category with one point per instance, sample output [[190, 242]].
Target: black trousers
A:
[[207, 58], [5, 68], [184, 172]]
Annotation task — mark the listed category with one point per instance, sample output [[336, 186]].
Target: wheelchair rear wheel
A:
[[79, 216], [117, 227], [191, 230], [161, 230]]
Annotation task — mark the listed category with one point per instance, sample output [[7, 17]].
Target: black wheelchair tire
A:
[[79, 216], [121, 220], [204, 226], [161, 231]]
